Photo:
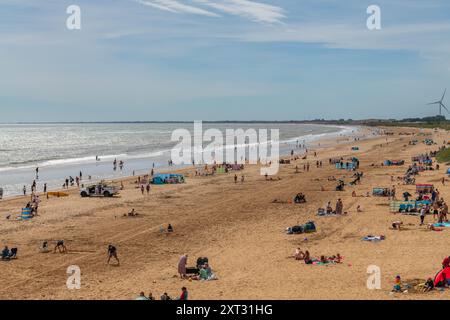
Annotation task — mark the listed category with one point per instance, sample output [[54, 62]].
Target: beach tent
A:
[[448, 171], [308, 227], [380, 192], [346, 165], [335, 160], [237, 167], [394, 162], [409, 207], [163, 178], [442, 276], [424, 188], [26, 214]]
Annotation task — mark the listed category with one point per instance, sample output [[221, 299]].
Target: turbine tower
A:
[[441, 105]]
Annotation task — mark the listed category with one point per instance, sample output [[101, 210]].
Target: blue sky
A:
[[221, 59]]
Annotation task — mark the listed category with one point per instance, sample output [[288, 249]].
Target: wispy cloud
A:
[[252, 10], [176, 7]]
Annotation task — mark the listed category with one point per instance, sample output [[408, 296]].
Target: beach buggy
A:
[[101, 189]]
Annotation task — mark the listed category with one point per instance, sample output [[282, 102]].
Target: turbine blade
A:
[[437, 102], [443, 106], [444, 94]]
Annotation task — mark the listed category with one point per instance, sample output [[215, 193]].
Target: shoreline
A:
[[140, 160]]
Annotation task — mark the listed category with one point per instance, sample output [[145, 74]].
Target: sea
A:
[[63, 150]]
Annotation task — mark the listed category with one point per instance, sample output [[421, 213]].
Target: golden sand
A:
[[238, 228]]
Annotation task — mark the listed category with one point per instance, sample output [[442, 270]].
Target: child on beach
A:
[[112, 253], [396, 225], [397, 284]]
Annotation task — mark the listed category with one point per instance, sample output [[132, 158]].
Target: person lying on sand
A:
[[298, 255], [431, 227]]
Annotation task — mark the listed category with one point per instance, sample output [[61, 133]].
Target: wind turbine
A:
[[441, 105]]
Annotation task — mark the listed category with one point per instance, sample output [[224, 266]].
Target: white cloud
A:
[[176, 7], [252, 10]]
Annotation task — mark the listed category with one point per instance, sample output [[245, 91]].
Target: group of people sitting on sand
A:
[[165, 297], [299, 255], [329, 208], [202, 271]]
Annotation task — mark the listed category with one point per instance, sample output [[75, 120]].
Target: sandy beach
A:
[[241, 231]]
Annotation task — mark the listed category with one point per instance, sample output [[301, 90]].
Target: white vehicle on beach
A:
[[101, 189]]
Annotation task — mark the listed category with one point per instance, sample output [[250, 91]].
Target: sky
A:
[[161, 60]]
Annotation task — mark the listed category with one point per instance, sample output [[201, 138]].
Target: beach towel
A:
[[373, 238], [323, 213], [442, 225]]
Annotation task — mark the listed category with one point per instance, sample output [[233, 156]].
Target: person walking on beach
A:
[[422, 215], [37, 172], [81, 175], [142, 189], [24, 190], [112, 253], [235, 178], [339, 206], [45, 187], [242, 179], [148, 188]]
